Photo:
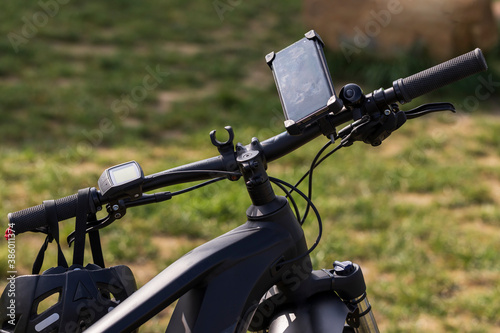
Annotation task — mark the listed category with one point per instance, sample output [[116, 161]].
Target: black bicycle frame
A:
[[258, 275], [221, 282]]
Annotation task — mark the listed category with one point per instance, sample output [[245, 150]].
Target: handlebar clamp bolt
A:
[[343, 268]]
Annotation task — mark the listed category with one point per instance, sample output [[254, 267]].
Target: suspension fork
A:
[[323, 302], [348, 282]]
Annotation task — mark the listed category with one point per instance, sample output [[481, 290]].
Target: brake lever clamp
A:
[[387, 123], [375, 128]]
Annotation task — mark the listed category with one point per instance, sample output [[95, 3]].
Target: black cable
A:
[[329, 154], [314, 164], [318, 217], [320, 161], [210, 172], [225, 173], [195, 187], [292, 200]]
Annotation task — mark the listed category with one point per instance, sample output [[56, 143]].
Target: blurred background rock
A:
[[442, 29]]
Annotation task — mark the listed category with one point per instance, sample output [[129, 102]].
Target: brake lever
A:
[[429, 108], [374, 131], [91, 226]]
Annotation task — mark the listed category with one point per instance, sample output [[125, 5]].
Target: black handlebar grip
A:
[[439, 76], [35, 217]]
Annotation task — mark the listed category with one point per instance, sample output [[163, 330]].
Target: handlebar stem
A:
[[253, 168]]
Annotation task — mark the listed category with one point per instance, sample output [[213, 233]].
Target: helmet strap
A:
[[81, 225], [95, 245], [52, 234], [84, 214]]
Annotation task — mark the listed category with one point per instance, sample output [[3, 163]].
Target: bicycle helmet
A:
[[84, 295]]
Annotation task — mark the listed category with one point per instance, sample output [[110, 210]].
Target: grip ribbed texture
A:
[[34, 217], [441, 75], [27, 219], [66, 207]]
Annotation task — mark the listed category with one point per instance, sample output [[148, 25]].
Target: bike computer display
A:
[[303, 82], [122, 181]]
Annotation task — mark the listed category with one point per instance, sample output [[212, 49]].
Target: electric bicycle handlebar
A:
[[403, 91], [438, 76]]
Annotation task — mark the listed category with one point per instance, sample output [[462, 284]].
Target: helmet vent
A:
[[106, 294], [47, 302]]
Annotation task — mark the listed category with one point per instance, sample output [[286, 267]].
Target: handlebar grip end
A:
[[30, 219], [483, 66], [440, 75], [27, 219]]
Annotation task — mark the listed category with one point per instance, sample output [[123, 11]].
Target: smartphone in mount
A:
[[303, 81]]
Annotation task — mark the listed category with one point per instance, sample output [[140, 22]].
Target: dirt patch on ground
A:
[[187, 49], [85, 49], [417, 199], [166, 98]]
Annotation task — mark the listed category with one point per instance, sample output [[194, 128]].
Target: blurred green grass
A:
[[419, 214]]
